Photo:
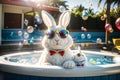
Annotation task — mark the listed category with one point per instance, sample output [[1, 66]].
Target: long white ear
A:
[[48, 19], [64, 19]]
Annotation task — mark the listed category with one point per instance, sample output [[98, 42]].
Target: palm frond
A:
[[99, 2], [116, 2]]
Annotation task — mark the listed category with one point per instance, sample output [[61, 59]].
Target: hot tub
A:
[[24, 65]]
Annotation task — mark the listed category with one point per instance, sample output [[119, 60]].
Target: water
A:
[[100, 60]]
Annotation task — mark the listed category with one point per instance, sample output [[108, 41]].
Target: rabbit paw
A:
[[69, 64]]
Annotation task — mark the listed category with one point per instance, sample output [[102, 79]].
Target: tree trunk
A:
[[107, 21]]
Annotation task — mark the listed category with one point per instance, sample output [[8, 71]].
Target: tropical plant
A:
[[90, 11], [77, 10], [108, 4], [115, 12], [58, 3]]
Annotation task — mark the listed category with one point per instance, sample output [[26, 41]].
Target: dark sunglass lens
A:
[[50, 34], [63, 33]]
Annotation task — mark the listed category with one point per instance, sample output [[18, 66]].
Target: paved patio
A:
[[7, 49]]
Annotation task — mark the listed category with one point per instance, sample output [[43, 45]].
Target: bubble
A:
[[84, 15], [82, 28], [38, 19], [34, 60], [23, 61], [26, 35], [102, 18], [108, 27], [25, 42], [36, 25], [31, 42], [26, 22], [11, 34], [20, 44], [117, 23], [30, 29], [99, 41], [105, 15], [62, 9], [111, 30], [88, 36], [20, 33], [109, 42], [82, 36]]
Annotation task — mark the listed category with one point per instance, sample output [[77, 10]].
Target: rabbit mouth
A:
[[57, 43], [57, 46]]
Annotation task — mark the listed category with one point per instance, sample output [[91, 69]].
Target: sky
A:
[[86, 3]]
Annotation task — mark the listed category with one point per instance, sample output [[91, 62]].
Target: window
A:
[[12, 21]]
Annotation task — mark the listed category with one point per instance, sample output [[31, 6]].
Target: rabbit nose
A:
[[78, 54], [56, 40]]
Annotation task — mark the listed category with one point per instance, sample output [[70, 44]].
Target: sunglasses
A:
[[61, 33]]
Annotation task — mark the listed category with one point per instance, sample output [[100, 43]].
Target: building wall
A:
[[14, 9], [0, 21], [4, 8]]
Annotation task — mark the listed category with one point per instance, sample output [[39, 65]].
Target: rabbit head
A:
[[57, 37], [79, 55]]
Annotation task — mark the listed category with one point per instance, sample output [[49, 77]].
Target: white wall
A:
[[0, 21]]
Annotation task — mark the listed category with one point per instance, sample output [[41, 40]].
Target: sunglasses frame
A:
[[57, 32]]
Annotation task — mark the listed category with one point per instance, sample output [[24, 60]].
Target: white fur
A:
[[63, 43], [82, 59]]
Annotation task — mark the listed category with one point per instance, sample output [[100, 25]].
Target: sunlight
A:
[[117, 59], [35, 1]]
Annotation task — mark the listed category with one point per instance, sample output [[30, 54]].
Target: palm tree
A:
[[108, 4], [115, 12], [80, 8], [77, 10], [90, 11], [57, 3]]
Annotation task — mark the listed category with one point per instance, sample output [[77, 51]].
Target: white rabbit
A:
[[80, 58], [57, 41]]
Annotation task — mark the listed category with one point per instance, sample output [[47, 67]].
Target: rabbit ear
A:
[[64, 19], [48, 19]]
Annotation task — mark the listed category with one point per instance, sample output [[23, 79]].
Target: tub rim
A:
[[37, 70]]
